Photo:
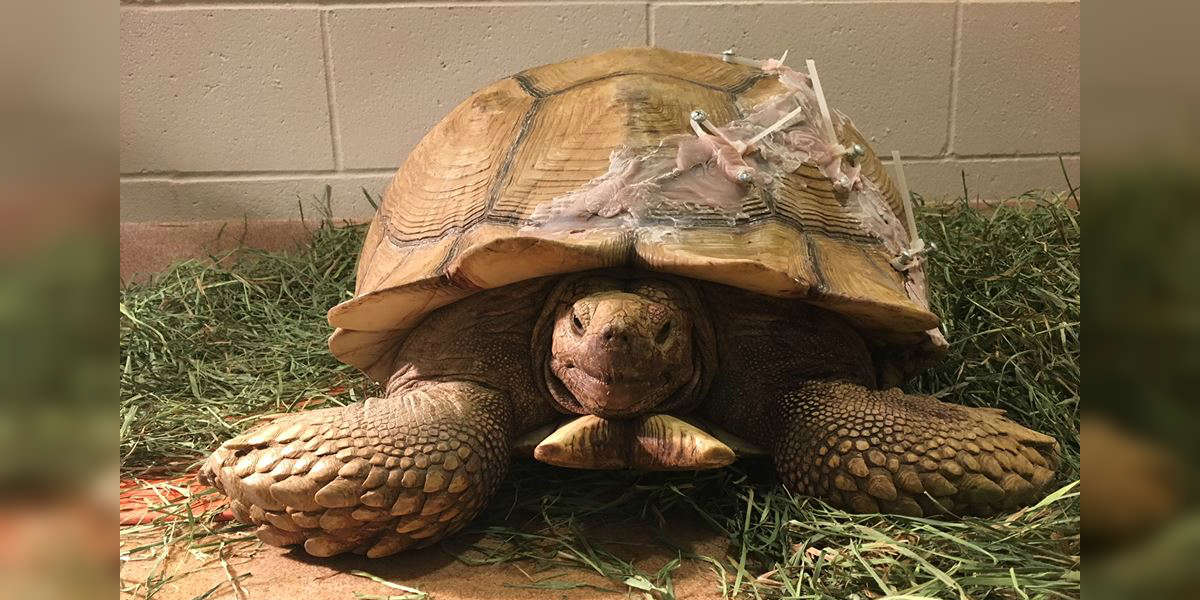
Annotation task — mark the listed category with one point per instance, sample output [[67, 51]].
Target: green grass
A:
[[1006, 285], [205, 350]]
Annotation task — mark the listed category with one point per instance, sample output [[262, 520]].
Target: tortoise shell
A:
[[461, 214]]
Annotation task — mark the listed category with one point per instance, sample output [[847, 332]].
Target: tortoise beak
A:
[[653, 443], [606, 395]]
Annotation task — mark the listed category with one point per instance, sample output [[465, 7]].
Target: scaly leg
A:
[[870, 451], [378, 476]]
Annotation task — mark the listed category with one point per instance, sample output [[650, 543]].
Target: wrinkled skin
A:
[[620, 349], [409, 469]]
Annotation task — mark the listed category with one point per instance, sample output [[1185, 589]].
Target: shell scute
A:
[[478, 204]]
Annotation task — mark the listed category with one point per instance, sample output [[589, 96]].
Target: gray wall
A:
[[238, 109]]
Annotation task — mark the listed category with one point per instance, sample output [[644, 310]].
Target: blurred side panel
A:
[[58, 202], [1141, 305]]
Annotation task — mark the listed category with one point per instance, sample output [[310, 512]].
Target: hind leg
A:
[[868, 451], [378, 476]]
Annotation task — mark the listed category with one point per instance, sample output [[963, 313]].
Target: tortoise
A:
[[578, 264]]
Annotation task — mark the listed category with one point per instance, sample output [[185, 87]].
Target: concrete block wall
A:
[[243, 109]]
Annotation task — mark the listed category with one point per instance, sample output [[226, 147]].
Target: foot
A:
[[869, 451], [375, 477]]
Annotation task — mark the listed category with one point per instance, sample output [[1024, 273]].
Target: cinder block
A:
[[989, 179], [1018, 79], [886, 66], [165, 200], [223, 90], [397, 71]]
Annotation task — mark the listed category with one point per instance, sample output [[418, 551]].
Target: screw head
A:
[[699, 116], [744, 176]]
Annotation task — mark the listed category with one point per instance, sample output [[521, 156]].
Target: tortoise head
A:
[[622, 347]]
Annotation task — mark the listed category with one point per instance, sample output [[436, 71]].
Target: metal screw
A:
[[744, 176], [699, 116], [727, 55], [908, 255], [855, 152]]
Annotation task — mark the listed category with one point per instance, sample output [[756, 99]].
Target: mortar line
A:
[[258, 5], [836, 2], [252, 176], [388, 172], [650, 23], [335, 134], [982, 158], [335, 4], [955, 57]]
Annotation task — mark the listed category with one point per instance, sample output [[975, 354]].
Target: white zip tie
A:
[[699, 118], [902, 181], [782, 122], [842, 184], [696, 119], [909, 257], [816, 83], [773, 64], [776, 126], [729, 57]]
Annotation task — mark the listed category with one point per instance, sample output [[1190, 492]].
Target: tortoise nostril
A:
[[609, 333], [663, 333]]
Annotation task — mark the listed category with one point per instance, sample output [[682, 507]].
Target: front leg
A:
[[869, 451], [377, 477]]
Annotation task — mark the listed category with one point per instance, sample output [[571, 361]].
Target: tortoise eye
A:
[[576, 324], [663, 333]]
